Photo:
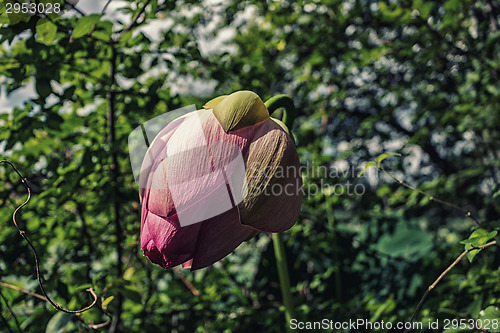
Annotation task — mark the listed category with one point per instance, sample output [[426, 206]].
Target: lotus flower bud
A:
[[219, 176]]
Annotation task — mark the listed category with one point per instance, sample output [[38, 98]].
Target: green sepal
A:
[[239, 110], [213, 102]]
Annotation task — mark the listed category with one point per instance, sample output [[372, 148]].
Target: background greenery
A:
[[415, 77]]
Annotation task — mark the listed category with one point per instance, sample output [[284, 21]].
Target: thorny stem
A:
[[421, 302]]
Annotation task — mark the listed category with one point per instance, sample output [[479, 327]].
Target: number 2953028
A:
[[32, 8]]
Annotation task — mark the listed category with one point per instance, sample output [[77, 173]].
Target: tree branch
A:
[[421, 302], [105, 6], [114, 180], [135, 22], [10, 286], [79, 11]]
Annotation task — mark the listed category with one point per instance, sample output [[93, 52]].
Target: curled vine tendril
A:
[[35, 254]]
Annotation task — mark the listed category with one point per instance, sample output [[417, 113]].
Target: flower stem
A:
[[279, 253], [283, 101], [289, 114]]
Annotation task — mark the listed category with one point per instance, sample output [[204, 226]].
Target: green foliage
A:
[[367, 165], [490, 316], [478, 238], [378, 160], [46, 33], [417, 77], [59, 323], [85, 25]]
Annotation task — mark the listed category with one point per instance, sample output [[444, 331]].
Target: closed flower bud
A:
[[219, 176]]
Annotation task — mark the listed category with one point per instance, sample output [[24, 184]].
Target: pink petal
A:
[[188, 264], [218, 237], [273, 173], [163, 241], [191, 164]]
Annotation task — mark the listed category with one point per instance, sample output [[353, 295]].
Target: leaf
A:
[[478, 238], [4, 18], [407, 242], [382, 157], [496, 192], [106, 302], [125, 38], [80, 287], [58, 322], [425, 10], [85, 25], [43, 88], [46, 33], [367, 165], [490, 315], [472, 254], [104, 31], [54, 120]]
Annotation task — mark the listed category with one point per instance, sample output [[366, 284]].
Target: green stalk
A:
[[279, 253], [289, 114]]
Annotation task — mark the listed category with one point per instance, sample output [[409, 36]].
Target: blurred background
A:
[[418, 78]]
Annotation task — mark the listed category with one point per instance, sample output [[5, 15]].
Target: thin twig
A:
[[27, 292], [188, 283], [35, 254], [104, 324], [136, 18], [105, 6], [432, 198], [79, 11], [421, 302]]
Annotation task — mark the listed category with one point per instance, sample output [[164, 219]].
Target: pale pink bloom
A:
[[194, 175]]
